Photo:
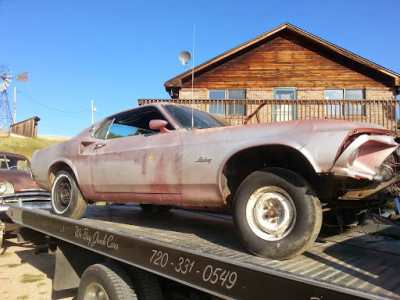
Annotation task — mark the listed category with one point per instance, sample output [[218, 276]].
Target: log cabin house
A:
[[289, 74]]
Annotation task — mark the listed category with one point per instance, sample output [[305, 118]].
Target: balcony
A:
[[236, 112]]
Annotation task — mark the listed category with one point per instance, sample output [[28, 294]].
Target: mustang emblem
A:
[[204, 160]]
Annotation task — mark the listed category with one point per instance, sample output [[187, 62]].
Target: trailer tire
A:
[[66, 197], [146, 284], [106, 281], [276, 214]]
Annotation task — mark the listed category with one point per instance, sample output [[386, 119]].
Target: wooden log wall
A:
[[288, 61]]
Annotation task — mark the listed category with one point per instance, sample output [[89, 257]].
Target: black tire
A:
[[106, 279], [276, 214], [66, 198], [146, 284]]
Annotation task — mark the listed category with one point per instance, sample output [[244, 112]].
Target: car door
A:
[[132, 159]]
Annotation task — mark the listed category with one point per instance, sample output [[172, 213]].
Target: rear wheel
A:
[[276, 213], [106, 281], [66, 198], [146, 284]]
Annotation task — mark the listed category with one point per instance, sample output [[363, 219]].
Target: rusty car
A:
[[17, 186], [274, 177]]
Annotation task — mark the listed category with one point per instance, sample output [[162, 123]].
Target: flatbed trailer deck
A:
[[200, 250]]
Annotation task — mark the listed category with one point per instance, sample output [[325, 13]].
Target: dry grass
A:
[[29, 278], [11, 265], [26, 146]]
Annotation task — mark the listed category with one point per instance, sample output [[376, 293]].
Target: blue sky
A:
[[118, 51]]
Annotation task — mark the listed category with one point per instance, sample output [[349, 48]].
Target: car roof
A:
[[155, 104], [13, 154]]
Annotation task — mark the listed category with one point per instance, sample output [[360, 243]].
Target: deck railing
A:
[[382, 112]]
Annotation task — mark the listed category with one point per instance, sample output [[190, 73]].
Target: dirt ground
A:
[[25, 275]]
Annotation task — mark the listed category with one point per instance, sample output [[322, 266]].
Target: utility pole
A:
[[15, 104], [24, 78], [93, 111]]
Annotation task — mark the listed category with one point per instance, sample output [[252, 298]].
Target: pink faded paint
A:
[[203, 167]]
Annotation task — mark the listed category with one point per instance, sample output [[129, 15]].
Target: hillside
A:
[[26, 146]]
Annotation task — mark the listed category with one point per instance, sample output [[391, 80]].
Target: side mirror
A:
[[159, 125]]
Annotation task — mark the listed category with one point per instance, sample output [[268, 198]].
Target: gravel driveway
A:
[[25, 275]]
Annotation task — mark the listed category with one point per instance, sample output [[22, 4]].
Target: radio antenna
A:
[[185, 57], [194, 41]]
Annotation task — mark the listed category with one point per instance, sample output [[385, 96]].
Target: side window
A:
[[130, 123], [121, 130]]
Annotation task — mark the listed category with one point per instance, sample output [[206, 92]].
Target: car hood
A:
[[21, 180]]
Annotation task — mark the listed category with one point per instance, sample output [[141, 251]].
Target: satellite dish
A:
[[184, 57]]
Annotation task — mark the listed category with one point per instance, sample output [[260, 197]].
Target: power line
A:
[[52, 108]]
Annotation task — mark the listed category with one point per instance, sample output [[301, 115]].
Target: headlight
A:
[[3, 187], [6, 188], [385, 174]]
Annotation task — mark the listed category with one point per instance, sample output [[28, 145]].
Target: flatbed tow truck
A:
[[201, 251]]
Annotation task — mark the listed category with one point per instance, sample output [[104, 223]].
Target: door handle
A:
[[97, 146]]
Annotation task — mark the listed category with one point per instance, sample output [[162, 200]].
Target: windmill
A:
[[5, 113]]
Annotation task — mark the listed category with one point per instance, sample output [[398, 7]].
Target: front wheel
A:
[[276, 214], [66, 198]]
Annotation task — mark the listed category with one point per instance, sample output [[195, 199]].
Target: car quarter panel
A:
[[205, 152], [50, 160], [364, 156]]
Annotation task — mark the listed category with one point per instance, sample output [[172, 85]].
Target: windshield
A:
[[183, 117], [13, 163]]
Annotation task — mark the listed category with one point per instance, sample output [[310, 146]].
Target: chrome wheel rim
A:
[[271, 213], [95, 291], [61, 194]]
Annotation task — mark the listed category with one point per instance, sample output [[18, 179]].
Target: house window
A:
[[237, 108], [286, 111], [217, 108], [347, 109], [220, 107]]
